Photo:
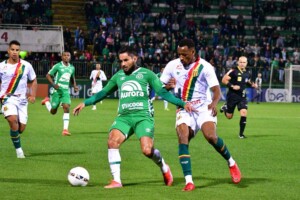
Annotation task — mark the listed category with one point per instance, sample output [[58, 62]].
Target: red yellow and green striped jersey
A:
[[14, 78], [193, 82]]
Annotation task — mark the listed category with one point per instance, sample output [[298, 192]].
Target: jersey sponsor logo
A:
[[134, 105], [65, 77], [131, 89]]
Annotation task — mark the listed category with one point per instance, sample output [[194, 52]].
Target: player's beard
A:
[[130, 70]]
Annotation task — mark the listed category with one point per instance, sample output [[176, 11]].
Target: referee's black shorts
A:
[[235, 100]]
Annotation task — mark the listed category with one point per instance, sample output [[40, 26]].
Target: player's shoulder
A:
[[206, 65], [2, 63], [204, 62], [26, 63]]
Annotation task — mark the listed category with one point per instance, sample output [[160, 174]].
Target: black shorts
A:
[[234, 100]]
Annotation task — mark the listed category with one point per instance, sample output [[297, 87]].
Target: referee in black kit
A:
[[236, 79]]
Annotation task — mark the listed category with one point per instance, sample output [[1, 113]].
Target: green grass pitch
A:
[[268, 159]]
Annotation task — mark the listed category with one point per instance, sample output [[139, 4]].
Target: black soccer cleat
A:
[[223, 108], [242, 136]]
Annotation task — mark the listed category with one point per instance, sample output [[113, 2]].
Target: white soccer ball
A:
[[78, 176]]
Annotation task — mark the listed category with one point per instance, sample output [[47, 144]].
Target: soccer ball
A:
[[78, 176]]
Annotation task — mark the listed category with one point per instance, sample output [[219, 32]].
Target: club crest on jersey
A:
[[139, 76], [20, 70], [5, 108]]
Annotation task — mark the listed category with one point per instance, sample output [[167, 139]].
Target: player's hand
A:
[[56, 86], [171, 84], [78, 108], [31, 99], [189, 108], [214, 110], [76, 88]]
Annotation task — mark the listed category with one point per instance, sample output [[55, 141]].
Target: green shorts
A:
[[60, 96], [130, 124]]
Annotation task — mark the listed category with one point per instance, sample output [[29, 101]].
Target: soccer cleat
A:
[[242, 136], [168, 177], [20, 154], [94, 108], [65, 132], [235, 174], [223, 108], [167, 109], [188, 187], [113, 184], [45, 100]]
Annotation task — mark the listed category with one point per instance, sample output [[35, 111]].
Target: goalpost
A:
[[292, 83]]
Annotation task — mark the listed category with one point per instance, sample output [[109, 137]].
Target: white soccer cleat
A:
[[20, 153]]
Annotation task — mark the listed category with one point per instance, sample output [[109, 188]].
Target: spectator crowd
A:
[[154, 27]]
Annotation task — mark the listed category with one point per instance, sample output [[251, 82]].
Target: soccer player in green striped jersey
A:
[[59, 77], [135, 112]]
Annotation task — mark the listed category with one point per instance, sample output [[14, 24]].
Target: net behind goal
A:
[[292, 83]]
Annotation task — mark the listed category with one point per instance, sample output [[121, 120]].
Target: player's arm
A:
[[91, 76], [50, 76], [109, 88], [168, 96], [32, 85], [73, 80], [103, 76], [226, 81], [216, 96], [251, 83], [167, 79]]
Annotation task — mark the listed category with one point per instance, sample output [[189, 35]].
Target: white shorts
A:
[[16, 106], [96, 88], [195, 119]]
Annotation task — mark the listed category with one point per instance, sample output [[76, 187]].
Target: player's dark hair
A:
[[15, 42], [186, 42], [129, 50]]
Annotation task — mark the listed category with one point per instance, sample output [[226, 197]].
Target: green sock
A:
[[185, 159], [222, 149], [15, 138]]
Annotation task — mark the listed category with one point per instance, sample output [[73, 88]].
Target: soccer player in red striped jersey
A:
[[15, 74], [194, 79]]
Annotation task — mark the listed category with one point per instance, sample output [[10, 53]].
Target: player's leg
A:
[[185, 133], [66, 119], [166, 105], [119, 132], [51, 103], [242, 107], [94, 105], [66, 102], [209, 131], [145, 132], [115, 139], [10, 112]]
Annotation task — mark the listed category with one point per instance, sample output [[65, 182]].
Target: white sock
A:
[[19, 150], [66, 118], [48, 105], [188, 179], [159, 161], [166, 104], [114, 159], [231, 162]]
